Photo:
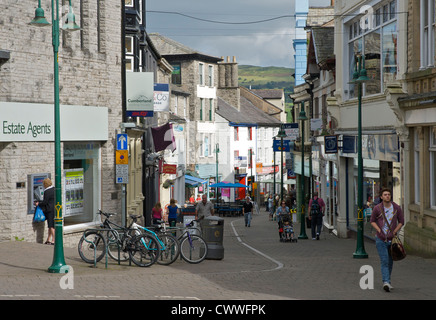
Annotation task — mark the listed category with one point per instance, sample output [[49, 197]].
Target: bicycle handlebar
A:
[[106, 214]]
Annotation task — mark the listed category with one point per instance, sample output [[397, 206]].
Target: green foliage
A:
[[268, 78]]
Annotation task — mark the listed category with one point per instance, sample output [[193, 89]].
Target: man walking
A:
[[247, 209], [316, 212], [204, 208], [387, 218]]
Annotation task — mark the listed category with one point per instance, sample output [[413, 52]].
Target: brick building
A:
[[90, 106]]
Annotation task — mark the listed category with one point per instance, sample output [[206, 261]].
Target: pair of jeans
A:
[[316, 223], [386, 261], [247, 216]]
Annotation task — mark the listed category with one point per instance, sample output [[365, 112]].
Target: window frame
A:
[[417, 179], [201, 73], [382, 19], [427, 34], [432, 164]]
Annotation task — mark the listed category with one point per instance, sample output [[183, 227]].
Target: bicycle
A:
[[193, 248], [168, 244], [142, 250], [131, 244]]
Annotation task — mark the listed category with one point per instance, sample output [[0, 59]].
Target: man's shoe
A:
[[317, 236], [387, 287]]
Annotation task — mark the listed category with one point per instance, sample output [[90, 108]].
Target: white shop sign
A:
[[35, 122]]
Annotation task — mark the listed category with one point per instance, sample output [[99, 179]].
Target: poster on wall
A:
[[73, 186]]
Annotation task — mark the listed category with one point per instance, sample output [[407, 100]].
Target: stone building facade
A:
[[90, 99], [414, 102]]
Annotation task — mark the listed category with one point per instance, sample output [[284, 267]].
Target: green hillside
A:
[[268, 78], [265, 77]]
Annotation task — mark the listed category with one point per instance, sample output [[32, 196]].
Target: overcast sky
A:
[[261, 44]]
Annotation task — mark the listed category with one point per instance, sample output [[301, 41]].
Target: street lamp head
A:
[[363, 75], [302, 116], [70, 22], [39, 19], [281, 134]]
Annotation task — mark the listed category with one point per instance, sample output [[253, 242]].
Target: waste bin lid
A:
[[214, 218]]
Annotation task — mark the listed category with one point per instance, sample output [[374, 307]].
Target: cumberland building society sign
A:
[[139, 94]]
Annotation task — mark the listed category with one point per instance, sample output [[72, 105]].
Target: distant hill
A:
[[267, 78]]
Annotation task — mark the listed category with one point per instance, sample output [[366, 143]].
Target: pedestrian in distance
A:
[[270, 207], [282, 211], [316, 212], [204, 208], [47, 206], [247, 210], [173, 211], [387, 218], [156, 213]]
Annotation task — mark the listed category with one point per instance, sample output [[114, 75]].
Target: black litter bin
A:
[[213, 229]]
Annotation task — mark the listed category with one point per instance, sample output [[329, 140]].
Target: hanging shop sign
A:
[[161, 97], [139, 94]]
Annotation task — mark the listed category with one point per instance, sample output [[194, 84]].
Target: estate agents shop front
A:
[[27, 156]]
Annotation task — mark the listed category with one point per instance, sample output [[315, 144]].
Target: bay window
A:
[[378, 44]]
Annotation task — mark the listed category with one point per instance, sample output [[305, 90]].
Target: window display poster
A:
[[74, 183]]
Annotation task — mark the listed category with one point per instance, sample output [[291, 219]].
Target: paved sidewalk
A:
[[256, 266]]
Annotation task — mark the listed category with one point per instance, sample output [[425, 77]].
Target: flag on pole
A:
[[163, 138]]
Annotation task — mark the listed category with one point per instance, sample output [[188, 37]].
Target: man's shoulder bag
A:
[[396, 250]]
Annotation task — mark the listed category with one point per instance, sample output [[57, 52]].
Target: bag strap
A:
[[387, 222]]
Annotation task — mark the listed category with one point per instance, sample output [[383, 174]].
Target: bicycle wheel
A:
[[92, 247], [117, 241], [193, 248], [169, 253], [143, 250]]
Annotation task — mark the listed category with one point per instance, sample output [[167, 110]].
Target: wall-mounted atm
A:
[[35, 191]]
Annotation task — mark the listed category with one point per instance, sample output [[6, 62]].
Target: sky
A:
[[233, 32]]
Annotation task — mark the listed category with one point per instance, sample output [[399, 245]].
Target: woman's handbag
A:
[[39, 215], [397, 249]]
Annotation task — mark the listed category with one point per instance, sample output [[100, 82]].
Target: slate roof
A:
[[269, 93], [170, 48], [323, 39], [248, 114]]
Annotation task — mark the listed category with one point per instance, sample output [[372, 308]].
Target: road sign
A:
[[291, 130], [121, 157], [122, 141], [122, 173], [277, 145]]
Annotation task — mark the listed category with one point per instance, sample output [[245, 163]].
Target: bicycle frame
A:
[[136, 226]]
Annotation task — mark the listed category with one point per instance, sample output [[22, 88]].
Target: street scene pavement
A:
[[256, 266]]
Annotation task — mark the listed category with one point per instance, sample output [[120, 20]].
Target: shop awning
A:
[[278, 181], [193, 181]]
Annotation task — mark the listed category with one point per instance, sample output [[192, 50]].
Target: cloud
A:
[[262, 44]]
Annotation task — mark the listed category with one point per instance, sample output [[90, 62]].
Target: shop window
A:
[[81, 182]]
